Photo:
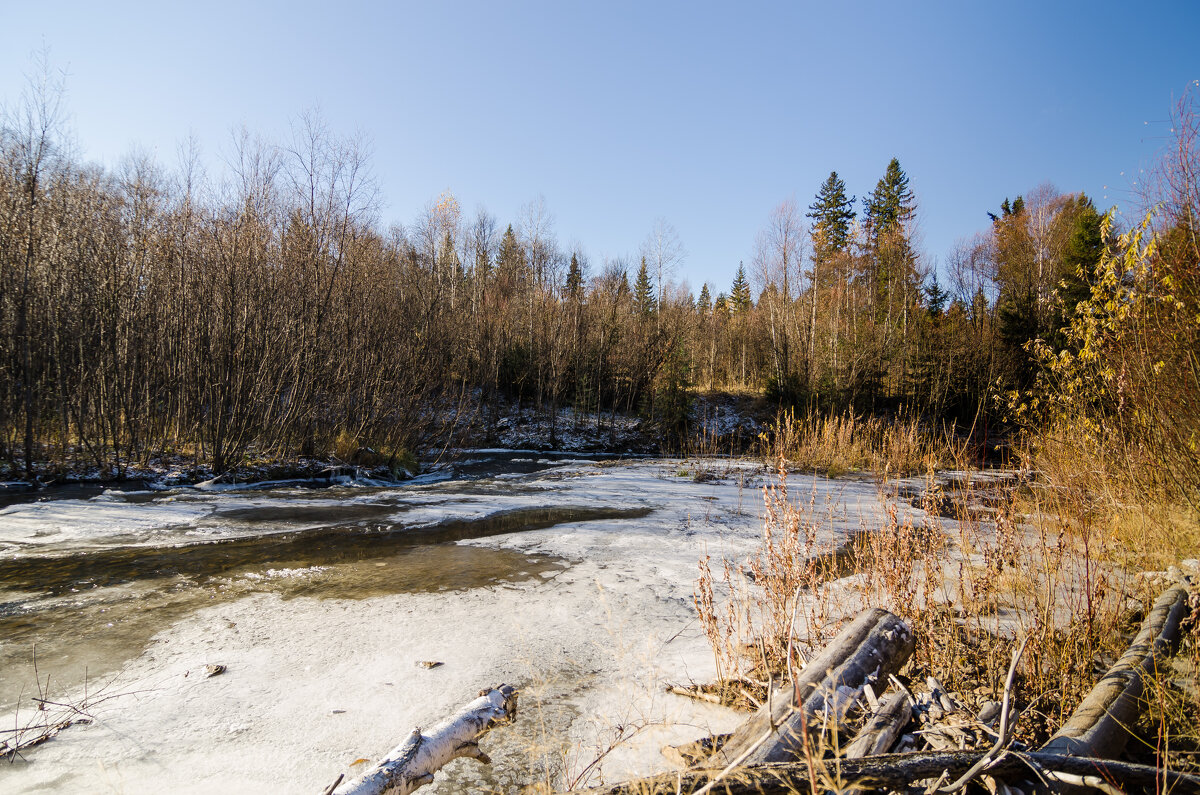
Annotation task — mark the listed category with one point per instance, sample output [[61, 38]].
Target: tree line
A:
[[270, 312]]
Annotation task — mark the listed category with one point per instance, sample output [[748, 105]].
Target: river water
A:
[[552, 571]]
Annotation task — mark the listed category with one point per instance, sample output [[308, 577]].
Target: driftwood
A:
[[882, 729], [412, 763], [694, 752], [898, 771], [1099, 726], [872, 646], [695, 692]]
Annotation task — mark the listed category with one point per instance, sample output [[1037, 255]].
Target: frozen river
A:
[[569, 578]]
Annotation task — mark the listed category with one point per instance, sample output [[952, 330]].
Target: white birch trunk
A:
[[412, 763]]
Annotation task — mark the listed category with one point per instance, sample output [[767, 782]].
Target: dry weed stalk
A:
[[1011, 562], [49, 716], [836, 444]]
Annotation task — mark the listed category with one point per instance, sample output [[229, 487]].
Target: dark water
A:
[[55, 575], [85, 613]]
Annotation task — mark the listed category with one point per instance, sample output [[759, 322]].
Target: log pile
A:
[[798, 740]]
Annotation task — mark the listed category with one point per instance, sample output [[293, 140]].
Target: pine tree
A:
[[891, 204], [705, 302], [574, 279], [739, 296], [643, 292], [832, 214]]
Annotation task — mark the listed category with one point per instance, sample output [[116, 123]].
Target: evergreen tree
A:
[[739, 296], [832, 214], [1008, 209], [891, 204], [893, 275], [935, 298], [643, 292], [511, 260], [574, 279], [1085, 246], [1082, 253], [721, 305], [705, 302]]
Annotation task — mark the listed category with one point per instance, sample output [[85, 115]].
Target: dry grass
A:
[[1015, 562], [837, 444]]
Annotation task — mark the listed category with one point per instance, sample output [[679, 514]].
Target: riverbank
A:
[[722, 423]]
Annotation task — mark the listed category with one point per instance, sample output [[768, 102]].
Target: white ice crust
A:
[[312, 685]]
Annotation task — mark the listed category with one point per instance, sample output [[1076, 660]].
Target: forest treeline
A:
[[269, 312]]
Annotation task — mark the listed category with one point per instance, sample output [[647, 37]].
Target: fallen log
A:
[[897, 772], [872, 646], [879, 733], [1099, 726], [412, 763], [695, 752], [695, 692]]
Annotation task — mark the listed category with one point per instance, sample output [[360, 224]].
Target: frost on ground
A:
[[314, 684]]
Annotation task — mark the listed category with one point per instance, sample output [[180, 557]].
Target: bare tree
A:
[[779, 252], [34, 138], [664, 253]]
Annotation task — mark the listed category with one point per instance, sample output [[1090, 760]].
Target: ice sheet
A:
[[312, 685]]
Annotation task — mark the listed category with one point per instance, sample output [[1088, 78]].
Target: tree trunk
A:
[[897, 772], [870, 647], [1099, 725], [412, 763], [881, 730]]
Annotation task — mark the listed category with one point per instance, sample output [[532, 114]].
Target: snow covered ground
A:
[[588, 618]]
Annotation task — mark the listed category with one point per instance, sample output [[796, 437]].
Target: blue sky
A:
[[620, 113]]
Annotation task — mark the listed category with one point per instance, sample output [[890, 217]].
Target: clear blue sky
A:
[[619, 113]]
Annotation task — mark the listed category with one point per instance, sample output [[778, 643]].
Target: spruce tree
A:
[[574, 279], [739, 296], [935, 298], [721, 305], [511, 260], [832, 214], [891, 204], [643, 292], [705, 302]]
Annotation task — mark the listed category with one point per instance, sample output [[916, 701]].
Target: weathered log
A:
[[412, 763], [897, 771], [696, 693], [879, 733], [694, 752], [868, 649], [1099, 726]]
